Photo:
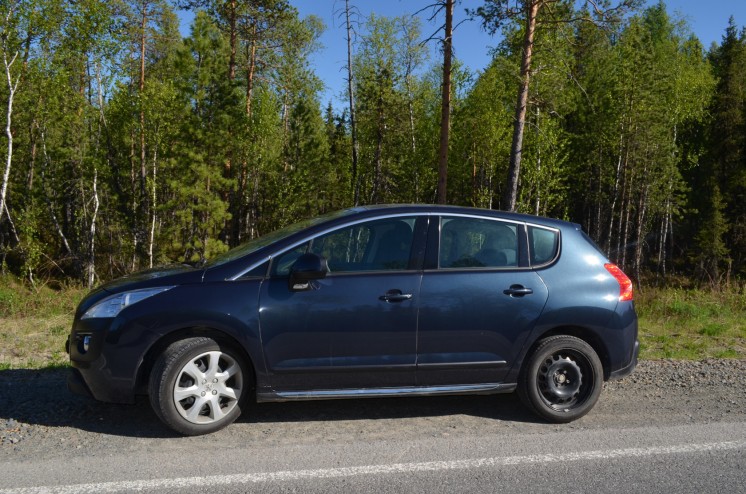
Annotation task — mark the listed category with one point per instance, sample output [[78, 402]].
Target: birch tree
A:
[[10, 41]]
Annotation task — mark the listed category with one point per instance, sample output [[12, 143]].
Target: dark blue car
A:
[[367, 302]]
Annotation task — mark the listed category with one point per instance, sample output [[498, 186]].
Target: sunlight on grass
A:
[[691, 324], [35, 324]]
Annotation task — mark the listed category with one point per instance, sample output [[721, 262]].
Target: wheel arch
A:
[[157, 348], [585, 334]]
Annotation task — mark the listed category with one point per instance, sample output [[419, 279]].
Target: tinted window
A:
[[282, 263], [477, 243], [372, 246], [543, 244], [259, 242]]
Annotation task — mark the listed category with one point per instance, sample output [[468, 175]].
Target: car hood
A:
[[171, 275]]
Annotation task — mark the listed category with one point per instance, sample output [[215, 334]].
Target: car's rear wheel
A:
[[562, 379], [198, 386]]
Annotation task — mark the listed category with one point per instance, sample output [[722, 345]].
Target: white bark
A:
[[152, 207], [91, 268], [12, 86]]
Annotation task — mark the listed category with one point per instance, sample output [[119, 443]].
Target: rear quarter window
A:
[[543, 245]]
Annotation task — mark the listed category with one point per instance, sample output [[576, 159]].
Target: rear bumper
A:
[[627, 369]]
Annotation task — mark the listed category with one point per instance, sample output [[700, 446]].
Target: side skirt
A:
[[337, 394]]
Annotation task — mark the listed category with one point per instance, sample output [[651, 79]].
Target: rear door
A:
[[478, 301]]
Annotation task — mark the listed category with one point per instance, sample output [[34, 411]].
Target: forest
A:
[[127, 145]]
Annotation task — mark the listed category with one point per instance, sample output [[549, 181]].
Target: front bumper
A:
[[76, 384], [97, 369]]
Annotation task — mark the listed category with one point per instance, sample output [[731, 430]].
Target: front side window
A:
[[275, 236], [380, 245], [477, 243]]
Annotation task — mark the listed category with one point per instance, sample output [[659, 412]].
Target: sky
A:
[[706, 18]]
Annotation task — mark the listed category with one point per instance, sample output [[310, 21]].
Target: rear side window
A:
[[543, 245], [477, 243]]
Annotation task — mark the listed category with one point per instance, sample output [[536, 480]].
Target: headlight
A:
[[113, 305]]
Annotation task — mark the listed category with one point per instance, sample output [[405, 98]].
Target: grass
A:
[[34, 324], [675, 323], [691, 324]]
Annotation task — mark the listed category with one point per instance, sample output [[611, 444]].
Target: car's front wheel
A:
[[198, 386], [562, 379]]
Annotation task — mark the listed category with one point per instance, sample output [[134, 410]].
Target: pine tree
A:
[[727, 143]]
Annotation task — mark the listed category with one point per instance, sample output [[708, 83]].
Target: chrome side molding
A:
[[337, 394]]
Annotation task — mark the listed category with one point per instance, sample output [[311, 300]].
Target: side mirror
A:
[[306, 268]]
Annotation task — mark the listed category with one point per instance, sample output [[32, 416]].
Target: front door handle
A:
[[518, 291], [395, 296]]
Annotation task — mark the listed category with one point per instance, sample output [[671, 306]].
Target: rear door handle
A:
[[518, 291], [395, 296]]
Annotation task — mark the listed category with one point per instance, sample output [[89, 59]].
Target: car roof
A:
[[447, 209]]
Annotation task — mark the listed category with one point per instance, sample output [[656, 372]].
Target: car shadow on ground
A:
[[41, 397], [505, 407]]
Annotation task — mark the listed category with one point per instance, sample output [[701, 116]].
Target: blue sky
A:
[[706, 18]]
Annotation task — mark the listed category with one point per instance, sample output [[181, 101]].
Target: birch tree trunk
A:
[[91, 262], [151, 241], [12, 87]]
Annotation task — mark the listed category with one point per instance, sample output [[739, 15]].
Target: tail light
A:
[[625, 284]]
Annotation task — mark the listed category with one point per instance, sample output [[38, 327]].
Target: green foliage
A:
[[481, 139], [691, 323], [725, 155], [713, 329], [134, 146], [35, 323], [713, 252]]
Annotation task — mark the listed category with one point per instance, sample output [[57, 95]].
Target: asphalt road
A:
[[671, 427]]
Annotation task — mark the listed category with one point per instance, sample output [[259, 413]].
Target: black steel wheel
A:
[[562, 379]]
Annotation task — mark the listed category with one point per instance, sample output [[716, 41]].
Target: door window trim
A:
[[417, 252], [430, 242]]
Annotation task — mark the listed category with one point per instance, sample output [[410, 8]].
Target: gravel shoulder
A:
[[40, 419]]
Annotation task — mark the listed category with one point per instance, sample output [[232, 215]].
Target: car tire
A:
[[198, 386], [562, 379]]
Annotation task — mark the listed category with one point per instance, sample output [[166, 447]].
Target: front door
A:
[[356, 327]]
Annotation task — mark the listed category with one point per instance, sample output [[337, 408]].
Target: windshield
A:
[[255, 244]]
